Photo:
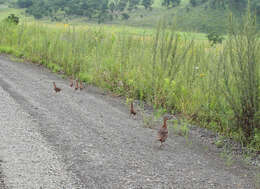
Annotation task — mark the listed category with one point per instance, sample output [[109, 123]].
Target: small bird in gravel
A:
[[71, 82], [163, 132], [56, 89], [132, 111], [77, 85], [81, 86]]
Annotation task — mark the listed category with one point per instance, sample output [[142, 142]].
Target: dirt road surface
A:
[[76, 139]]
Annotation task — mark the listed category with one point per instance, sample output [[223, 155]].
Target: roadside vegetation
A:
[[215, 86]]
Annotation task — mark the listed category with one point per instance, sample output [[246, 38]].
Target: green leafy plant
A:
[[215, 38], [12, 18]]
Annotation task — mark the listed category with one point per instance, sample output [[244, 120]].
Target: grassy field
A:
[[173, 71], [5, 11], [112, 28], [198, 19]]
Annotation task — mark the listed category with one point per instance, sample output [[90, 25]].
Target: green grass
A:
[[112, 28], [137, 25], [5, 11], [204, 20], [195, 19]]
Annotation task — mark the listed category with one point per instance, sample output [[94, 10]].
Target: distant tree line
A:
[[239, 5], [96, 9], [109, 9]]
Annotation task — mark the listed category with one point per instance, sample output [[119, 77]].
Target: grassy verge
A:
[[4, 12], [171, 71]]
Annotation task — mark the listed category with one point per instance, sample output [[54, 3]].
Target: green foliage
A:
[[125, 16], [133, 4], [100, 10], [193, 3], [38, 9], [182, 130], [219, 143], [171, 3], [24, 3], [86, 77], [256, 141], [241, 76], [147, 4], [41, 8], [12, 19], [6, 50], [54, 67], [214, 38]]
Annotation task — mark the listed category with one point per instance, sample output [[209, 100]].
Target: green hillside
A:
[[5, 11], [201, 18], [187, 15]]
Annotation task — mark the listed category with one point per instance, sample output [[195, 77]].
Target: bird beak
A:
[[172, 117]]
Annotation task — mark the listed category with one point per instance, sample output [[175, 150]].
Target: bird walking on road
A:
[[56, 89], [77, 85], [163, 132], [81, 86], [71, 82], [132, 111]]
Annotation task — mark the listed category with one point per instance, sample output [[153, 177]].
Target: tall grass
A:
[[241, 75], [168, 70]]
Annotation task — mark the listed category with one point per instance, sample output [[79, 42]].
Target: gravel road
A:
[[84, 139]]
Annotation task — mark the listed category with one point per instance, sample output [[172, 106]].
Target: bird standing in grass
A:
[[77, 85], [56, 89], [163, 132], [132, 111]]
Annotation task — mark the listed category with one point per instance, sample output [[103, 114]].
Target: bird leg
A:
[[161, 145]]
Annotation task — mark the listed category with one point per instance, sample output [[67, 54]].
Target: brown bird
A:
[[163, 132], [81, 86], [77, 85], [71, 82], [56, 89], [132, 111]]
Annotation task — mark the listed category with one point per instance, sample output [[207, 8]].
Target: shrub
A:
[[240, 64], [214, 38], [12, 18]]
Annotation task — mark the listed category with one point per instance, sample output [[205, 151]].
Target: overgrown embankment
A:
[[217, 87]]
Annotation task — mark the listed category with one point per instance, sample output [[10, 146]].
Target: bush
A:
[[240, 64], [24, 3], [125, 16], [12, 18], [214, 38]]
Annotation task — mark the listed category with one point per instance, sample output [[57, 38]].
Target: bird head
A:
[[169, 117]]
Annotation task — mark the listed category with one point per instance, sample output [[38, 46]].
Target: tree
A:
[[193, 3], [133, 4], [12, 18], [122, 5], [214, 38], [125, 16], [147, 4], [171, 3], [112, 7], [24, 3]]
